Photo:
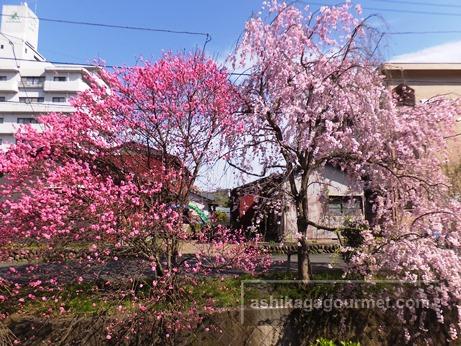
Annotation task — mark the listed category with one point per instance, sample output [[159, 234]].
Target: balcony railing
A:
[[29, 84], [32, 82]]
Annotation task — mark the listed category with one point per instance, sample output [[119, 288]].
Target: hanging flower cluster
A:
[[315, 96]]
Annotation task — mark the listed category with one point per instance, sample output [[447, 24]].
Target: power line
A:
[[87, 65], [426, 32], [435, 32], [431, 13], [116, 26], [65, 105], [78, 64], [112, 66], [247, 74], [113, 26], [419, 3], [84, 65], [413, 12], [60, 62], [208, 36]]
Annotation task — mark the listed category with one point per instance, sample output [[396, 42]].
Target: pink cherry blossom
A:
[[313, 96]]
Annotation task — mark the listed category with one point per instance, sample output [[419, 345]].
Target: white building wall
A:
[[25, 75]]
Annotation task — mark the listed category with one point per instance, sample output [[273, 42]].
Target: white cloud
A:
[[443, 53]]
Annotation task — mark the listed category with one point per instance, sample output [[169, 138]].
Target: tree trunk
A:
[[304, 265], [301, 197]]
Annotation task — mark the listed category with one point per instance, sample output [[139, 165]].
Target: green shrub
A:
[[221, 217], [329, 342]]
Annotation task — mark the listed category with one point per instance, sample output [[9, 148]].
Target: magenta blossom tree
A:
[[136, 142], [115, 175]]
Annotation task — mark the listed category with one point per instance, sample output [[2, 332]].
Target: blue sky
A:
[[223, 19]]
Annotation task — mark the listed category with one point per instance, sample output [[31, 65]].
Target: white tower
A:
[[21, 22], [19, 28]]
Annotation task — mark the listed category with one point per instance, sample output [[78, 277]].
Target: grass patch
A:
[[225, 292]]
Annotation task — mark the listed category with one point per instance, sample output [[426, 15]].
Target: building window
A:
[[1, 120], [31, 99], [27, 121], [32, 81], [2, 77], [404, 95], [344, 205], [334, 206], [2, 99], [58, 99], [60, 78], [1, 46]]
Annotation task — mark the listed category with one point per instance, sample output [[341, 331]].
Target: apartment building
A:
[[29, 84], [418, 82]]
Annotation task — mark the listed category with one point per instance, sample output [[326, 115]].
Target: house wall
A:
[[328, 182], [429, 80]]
